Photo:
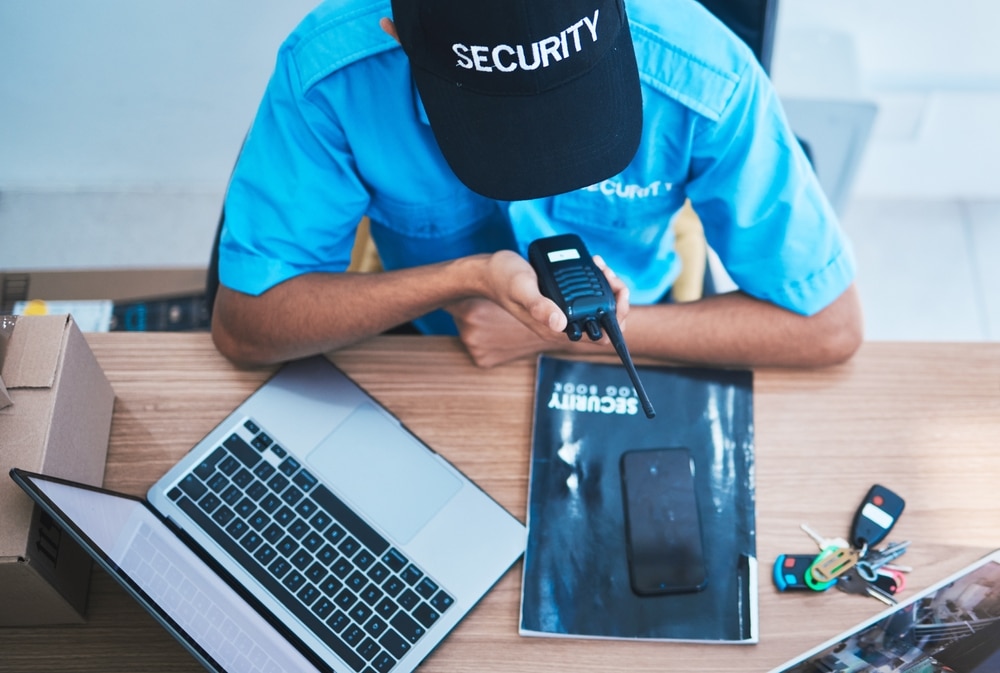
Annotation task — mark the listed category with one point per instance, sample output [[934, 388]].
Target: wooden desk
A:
[[924, 419]]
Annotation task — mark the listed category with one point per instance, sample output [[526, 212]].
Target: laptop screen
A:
[[179, 589], [952, 627]]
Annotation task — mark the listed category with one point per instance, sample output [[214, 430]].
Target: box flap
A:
[[33, 352], [6, 328]]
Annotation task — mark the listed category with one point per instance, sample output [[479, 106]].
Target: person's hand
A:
[[492, 336], [515, 319]]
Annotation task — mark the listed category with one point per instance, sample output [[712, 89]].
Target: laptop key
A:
[[279, 568], [245, 508], [251, 541], [287, 546], [352, 635], [349, 546], [245, 453], [323, 608], [330, 586], [301, 559], [426, 615], [289, 466], [243, 478], [364, 559], [261, 442], [345, 599], [232, 495], [341, 567], [278, 483], [412, 574], [408, 600], [292, 495], [229, 465], [360, 612], [308, 594], [304, 480], [376, 627], [236, 528], [294, 580], [393, 586], [209, 503], [378, 573], [207, 466], [218, 482], [338, 621], [306, 508], [265, 554], [284, 516], [395, 560], [258, 521], [298, 528], [442, 601], [383, 662], [223, 515], [368, 649], [407, 627], [427, 587], [273, 533], [269, 503], [351, 521], [386, 607], [264, 470], [193, 487], [394, 643], [312, 541]]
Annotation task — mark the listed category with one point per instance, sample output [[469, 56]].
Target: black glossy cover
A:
[[576, 579]]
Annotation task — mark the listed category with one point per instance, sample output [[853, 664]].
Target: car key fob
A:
[[875, 517]]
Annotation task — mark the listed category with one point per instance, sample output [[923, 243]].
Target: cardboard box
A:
[[55, 418]]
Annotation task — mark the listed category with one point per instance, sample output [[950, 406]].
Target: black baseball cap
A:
[[526, 98]]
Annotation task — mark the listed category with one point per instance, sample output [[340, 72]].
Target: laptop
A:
[[952, 626], [310, 530]]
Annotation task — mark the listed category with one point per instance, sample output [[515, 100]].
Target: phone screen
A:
[[662, 525]]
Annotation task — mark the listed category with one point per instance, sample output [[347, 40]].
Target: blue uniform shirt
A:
[[341, 133]]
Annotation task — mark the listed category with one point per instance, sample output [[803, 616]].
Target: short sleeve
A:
[[294, 199], [762, 207]]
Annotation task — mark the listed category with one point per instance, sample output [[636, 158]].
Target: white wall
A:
[[128, 94], [932, 67]]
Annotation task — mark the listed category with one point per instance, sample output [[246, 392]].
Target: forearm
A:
[[736, 330], [321, 312]]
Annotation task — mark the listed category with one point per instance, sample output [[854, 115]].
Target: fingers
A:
[[618, 286]]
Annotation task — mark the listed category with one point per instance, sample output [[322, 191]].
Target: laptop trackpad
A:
[[385, 473]]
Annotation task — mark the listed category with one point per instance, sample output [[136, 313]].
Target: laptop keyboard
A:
[[338, 575], [165, 580]]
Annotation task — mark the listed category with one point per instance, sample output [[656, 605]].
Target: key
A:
[[825, 543], [875, 517], [868, 566], [877, 592], [833, 563], [851, 583]]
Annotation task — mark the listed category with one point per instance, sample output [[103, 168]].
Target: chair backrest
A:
[[752, 20]]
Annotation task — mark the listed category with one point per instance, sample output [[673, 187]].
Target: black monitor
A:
[[752, 20]]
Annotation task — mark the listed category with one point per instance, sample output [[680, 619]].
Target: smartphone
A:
[[663, 535]]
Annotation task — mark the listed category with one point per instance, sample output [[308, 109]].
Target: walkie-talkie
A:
[[568, 276]]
